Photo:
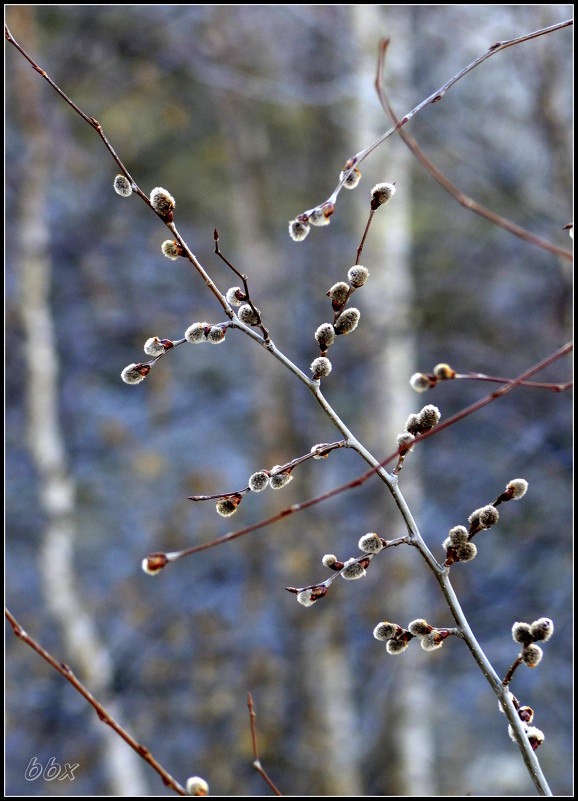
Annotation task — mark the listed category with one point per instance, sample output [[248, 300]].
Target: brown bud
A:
[[154, 563]]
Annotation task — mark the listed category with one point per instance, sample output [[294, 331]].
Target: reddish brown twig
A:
[[453, 190], [435, 378], [103, 715], [510, 674], [534, 384], [364, 237], [243, 277], [98, 128], [323, 449], [497, 47], [173, 556], [256, 761]]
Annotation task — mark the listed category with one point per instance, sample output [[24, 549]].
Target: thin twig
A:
[[509, 675], [98, 128], [435, 97], [364, 237], [534, 384], [321, 450], [243, 278], [453, 190], [361, 479], [103, 715], [256, 761]]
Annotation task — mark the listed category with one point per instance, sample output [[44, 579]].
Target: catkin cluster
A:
[[155, 348], [528, 635], [276, 478], [349, 178], [415, 424], [355, 567], [351, 569], [319, 216], [458, 544], [397, 638], [421, 382], [197, 333], [345, 320]]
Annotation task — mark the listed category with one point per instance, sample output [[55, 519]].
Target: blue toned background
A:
[[246, 114]]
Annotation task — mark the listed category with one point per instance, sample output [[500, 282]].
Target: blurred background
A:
[[247, 114]]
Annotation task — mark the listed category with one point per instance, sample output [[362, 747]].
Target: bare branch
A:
[[453, 190], [354, 162], [256, 761], [353, 567], [103, 715], [361, 479]]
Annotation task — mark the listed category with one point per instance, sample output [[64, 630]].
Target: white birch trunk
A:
[[390, 301], [87, 655]]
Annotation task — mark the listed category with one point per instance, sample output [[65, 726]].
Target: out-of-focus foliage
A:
[[246, 114]]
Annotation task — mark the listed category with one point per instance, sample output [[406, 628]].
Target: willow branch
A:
[[552, 387], [443, 181], [103, 715], [361, 479], [94, 123], [435, 97]]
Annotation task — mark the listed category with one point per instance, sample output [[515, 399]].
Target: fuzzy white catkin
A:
[[259, 481], [122, 186], [161, 200], [370, 543], [518, 487], [419, 382], [305, 598], [352, 570], [298, 230], [134, 373], [154, 347], [197, 786], [196, 333]]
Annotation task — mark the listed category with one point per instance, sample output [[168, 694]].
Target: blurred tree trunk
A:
[[321, 685], [83, 649], [406, 741]]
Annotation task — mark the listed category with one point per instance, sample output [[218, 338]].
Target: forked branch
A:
[[442, 180], [352, 163]]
